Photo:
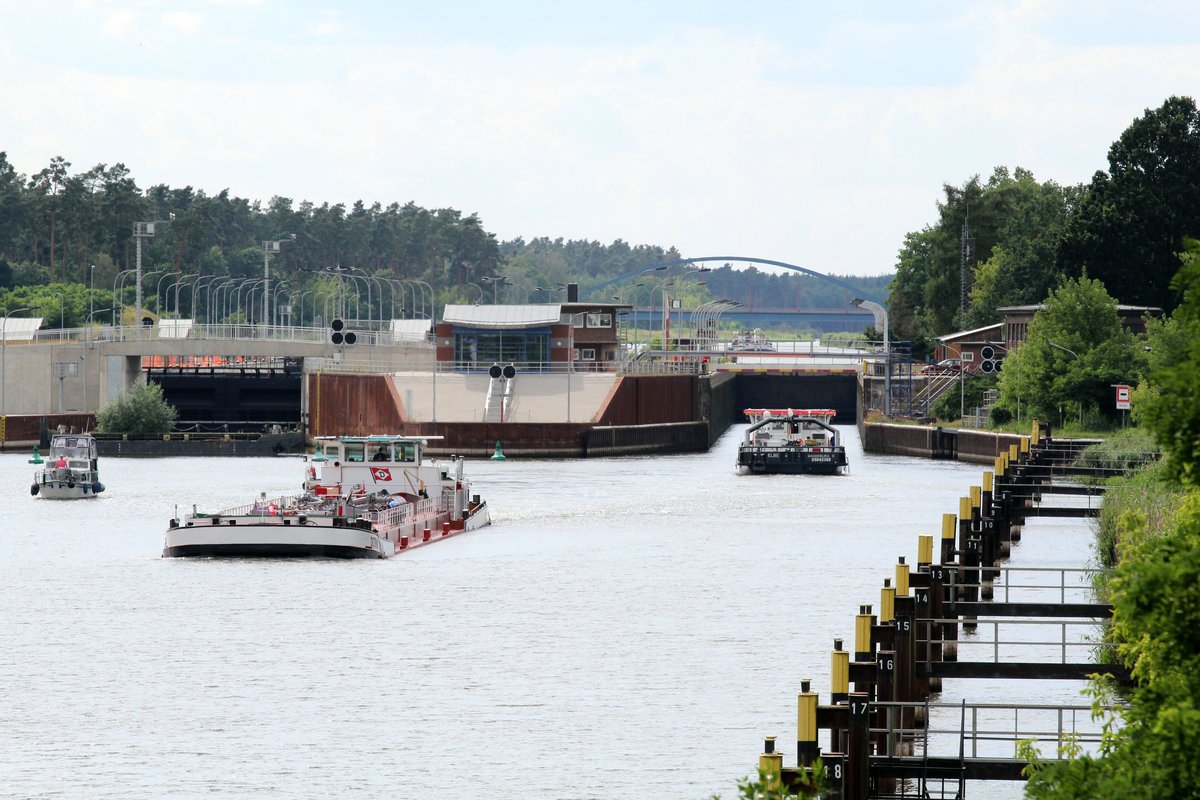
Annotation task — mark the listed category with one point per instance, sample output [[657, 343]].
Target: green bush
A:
[[1001, 415], [140, 409]]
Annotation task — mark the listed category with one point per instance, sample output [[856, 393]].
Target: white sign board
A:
[[1122, 397]]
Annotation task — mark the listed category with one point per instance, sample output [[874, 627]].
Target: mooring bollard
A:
[[770, 763], [863, 651], [949, 523], [807, 750], [924, 551]]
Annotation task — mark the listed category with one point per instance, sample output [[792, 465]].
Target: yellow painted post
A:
[[976, 497], [806, 724], [887, 601], [862, 635], [1013, 454], [901, 578], [924, 550], [1024, 444], [998, 466], [949, 527], [964, 508], [839, 668], [987, 481], [770, 764], [1035, 434]]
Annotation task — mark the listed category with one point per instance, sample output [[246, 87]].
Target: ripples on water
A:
[[627, 628]]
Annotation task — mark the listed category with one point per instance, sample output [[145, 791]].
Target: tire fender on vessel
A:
[[33, 490]]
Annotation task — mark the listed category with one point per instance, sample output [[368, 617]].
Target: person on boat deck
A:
[[380, 455], [61, 463]]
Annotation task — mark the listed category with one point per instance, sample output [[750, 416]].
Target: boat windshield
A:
[[71, 446]]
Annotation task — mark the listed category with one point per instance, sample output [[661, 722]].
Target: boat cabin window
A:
[[70, 446], [381, 452], [406, 451], [354, 451]]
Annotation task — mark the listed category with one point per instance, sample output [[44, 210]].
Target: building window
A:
[[587, 354], [597, 320], [480, 349]]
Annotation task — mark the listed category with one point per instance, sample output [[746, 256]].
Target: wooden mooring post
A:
[[901, 655]]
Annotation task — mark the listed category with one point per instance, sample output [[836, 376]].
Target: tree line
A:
[[66, 238], [1010, 239]]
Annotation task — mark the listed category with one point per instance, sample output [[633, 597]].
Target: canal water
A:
[[627, 628]]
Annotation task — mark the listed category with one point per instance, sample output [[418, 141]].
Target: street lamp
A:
[[91, 290], [495, 282], [4, 363], [158, 293], [269, 247], [1073, 354], [571, 357], [143, 230], [881, 322], [479, 289], [1060, 347]]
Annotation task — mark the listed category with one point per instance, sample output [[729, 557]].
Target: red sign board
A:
[[1122, 397]]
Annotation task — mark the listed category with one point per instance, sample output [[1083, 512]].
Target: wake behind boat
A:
[[375, 496], [791, 441], [72, 470]]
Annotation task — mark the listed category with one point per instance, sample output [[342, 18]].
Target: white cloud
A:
[[821, 147], [183, 22]]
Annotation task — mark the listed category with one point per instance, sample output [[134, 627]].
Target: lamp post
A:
[[495, 281], [667, 309], [118, 303], [4, 364], [432, 300], [143, 230], [158, 292], [1073, 354], [269, 247], [91, 290], [571, 357], [479, 289], [881, 321]]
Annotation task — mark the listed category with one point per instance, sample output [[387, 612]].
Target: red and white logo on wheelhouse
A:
[[381, 474]]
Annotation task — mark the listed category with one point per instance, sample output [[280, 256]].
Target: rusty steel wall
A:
[[652, 400], [351, 405], [964, 444], [982, 447], [26, 430]]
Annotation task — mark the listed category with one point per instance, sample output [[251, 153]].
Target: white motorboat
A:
[[71, 470]]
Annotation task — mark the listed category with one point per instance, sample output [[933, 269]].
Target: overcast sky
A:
[[815, 133]]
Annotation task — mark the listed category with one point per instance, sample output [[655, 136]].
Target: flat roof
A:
[[504, 316], [411, 330], [19, 329]]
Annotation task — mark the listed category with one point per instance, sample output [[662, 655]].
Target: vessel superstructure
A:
[[791, 440]]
